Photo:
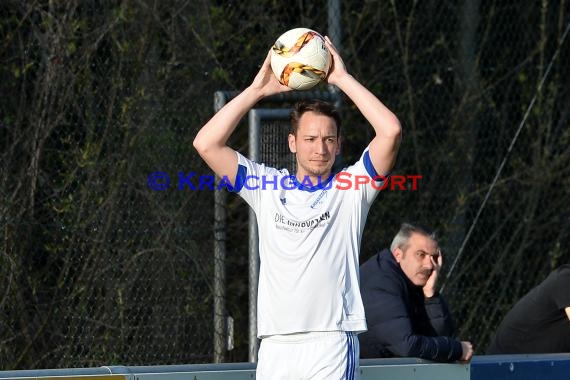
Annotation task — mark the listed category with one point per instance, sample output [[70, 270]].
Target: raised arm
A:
[[211, 140], [384, 146]]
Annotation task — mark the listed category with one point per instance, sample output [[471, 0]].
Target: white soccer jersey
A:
[[309, 246]]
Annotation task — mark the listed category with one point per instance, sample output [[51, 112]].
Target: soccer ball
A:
[[300, 59]]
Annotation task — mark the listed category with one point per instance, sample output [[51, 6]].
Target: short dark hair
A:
[[406, 230], [318, 106]]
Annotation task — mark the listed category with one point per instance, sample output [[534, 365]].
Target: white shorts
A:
[[331, 355]]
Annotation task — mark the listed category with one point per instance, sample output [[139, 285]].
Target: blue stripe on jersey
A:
[[370, 168], [240, 179]]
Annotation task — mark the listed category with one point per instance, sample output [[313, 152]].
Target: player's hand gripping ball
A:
[[300, 58]]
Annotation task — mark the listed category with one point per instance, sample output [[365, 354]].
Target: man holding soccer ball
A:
[[309, 303]]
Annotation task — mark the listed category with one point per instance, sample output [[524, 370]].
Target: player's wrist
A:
[[342, 79], [254, 93]]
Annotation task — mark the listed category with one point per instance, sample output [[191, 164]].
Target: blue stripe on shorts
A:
[[351, 360]]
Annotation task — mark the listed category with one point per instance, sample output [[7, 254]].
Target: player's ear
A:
[[292, 143], [339, 144]]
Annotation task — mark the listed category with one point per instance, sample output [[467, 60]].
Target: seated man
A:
[[405, 314], [540, 321]]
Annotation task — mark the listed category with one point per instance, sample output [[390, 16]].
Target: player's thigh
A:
[[337, 358], [275, 361]]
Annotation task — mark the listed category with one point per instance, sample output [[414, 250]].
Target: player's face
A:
[[416, 259], [316, 145]]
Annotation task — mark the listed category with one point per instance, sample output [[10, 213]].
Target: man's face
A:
[[316, 145], [416, 257]]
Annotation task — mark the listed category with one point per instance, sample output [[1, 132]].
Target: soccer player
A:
[[309, 304]]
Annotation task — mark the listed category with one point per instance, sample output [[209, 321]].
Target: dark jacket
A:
[[538, 322], [401, 321]]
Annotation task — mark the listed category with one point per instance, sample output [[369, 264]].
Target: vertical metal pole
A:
[[469, 20], [334, 32], [219, 276], [334, 29], [254, 125], [220, 216]]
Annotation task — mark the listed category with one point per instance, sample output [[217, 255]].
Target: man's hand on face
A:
[[430, 286]]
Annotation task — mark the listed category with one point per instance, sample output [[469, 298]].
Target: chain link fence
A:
[[106, 251]]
